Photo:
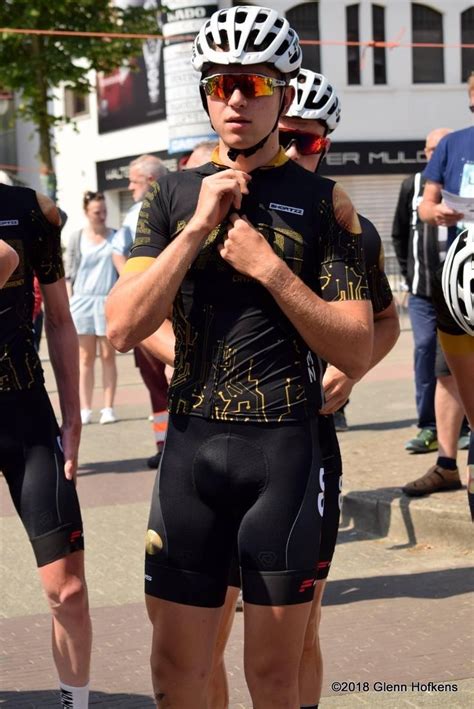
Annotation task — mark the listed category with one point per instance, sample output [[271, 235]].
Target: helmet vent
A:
[[224, 43], [282, 48]]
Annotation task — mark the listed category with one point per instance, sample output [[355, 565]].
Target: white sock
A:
[[74, 697]]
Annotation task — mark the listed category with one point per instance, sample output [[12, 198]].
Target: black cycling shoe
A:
[[154, 461]]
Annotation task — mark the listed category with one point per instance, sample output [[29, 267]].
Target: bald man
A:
[[420, 248]]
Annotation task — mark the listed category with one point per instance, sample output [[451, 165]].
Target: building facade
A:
[[391, 98]]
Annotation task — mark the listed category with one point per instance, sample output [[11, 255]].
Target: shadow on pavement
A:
[[382, 425], [371, 511], [377, 517], [48, 699], [430, 584], [130, 465]]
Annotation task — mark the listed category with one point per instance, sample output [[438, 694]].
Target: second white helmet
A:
[[315, 99], [248, 35], [458, 280]]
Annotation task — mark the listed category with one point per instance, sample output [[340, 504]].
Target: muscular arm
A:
[[64, 353], [338, 386], [63, 350], [340, 332], [433, 211], [8, 262]]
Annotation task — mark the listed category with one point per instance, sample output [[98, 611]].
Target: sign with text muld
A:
[[374, 158], [113, 174]]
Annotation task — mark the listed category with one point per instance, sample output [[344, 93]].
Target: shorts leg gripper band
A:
[[57, 544]]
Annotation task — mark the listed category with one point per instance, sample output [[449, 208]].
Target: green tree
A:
[[35, 65]]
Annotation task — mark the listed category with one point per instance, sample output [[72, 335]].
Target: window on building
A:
[[304, 19], [428, 62], [75, 104], [378, 35], [467, 37], [353, 52]]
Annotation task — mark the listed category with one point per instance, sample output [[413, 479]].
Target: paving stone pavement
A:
[[397, 609]]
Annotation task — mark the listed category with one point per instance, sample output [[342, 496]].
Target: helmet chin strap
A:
[[233, 153]]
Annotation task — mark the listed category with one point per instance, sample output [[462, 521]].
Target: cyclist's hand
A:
[[246, 249], [219, 193], [337, 388], [70, 439]]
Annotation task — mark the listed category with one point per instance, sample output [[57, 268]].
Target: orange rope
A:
[[19, 168], [119, 35]]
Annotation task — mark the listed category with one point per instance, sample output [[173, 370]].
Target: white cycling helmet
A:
[[458, 280], [315, 99], [248, 35]]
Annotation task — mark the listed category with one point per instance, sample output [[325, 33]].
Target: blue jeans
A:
[[423, 323]]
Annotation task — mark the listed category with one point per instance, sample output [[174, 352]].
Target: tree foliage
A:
[[36, 65]]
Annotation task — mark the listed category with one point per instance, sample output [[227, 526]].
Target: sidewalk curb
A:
[[389, 513]]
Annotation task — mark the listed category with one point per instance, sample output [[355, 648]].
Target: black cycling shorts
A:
[[441, 368], [332, 463], [258, 483], [444, 320], [32, 462], [332, 493]]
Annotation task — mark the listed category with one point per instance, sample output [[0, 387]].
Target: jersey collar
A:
[[280, 159]]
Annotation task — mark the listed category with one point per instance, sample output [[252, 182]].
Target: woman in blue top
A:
[[92, 264]]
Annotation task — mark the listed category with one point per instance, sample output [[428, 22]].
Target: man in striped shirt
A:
[[420, 248]]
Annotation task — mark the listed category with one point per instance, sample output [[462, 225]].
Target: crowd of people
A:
[[250, 246]]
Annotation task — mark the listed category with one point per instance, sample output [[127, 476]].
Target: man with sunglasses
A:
[[307, 143], [314, 113], [260, 262]]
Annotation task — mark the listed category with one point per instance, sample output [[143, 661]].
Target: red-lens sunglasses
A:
[[306, 143]]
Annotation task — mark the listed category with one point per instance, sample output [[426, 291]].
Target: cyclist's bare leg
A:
[[273, 645], [66, 591], [218, 695], [311, 665], [183, 644]]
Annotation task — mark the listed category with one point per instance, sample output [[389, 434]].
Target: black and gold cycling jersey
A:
[[238, 358], [374, 260], [38, 245]]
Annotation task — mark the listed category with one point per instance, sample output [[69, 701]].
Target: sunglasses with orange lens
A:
[[306, 143], [222, 86]]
